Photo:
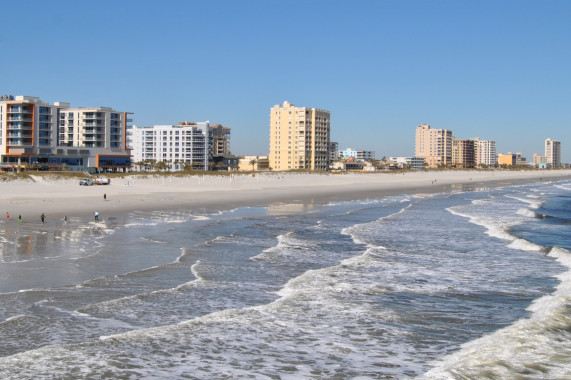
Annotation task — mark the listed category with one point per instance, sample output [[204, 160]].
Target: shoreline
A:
[[64, 197]]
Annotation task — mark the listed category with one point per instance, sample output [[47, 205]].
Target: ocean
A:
[[469, 284]]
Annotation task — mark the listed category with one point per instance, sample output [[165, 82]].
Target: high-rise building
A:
[[333, 151], [100, 127], [485, 152], [36, 133], [552, 152], [219, 140], [299, 138], [185, 145], [463, 153], [434, 145]]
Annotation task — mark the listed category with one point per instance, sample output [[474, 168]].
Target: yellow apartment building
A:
[[299, 138]]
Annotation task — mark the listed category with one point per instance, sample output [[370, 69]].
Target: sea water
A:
[[475, 283]]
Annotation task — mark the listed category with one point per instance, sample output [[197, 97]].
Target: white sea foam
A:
[[532, 347], [526, 212], [533, 203], [287, 246], [525, 245]]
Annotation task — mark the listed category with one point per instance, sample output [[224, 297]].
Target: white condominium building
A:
[[552, 152], [299, 138], [179, 146], [434, 145], [485, 152]]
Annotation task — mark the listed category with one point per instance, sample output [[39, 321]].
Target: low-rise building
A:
[[361, 155], [254, 163], [539, 159], [508, 159], [408, 162]]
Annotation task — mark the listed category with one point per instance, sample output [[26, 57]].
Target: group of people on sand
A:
[[43, 216], [19, 217]]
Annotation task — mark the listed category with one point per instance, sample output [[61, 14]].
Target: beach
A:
[[431, 275], [57, 198]]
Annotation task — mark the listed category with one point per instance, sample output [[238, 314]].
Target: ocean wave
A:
[[534, 347], [533, 203], [527, 212], [355, 231], [288, 245]]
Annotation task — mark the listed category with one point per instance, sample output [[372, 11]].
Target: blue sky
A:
[[497, 70]]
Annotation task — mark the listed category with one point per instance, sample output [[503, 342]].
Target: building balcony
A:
[[20, 135], [20, 118], [92, 131], [92, 116], [19, 128], [23, 110], [11, 142], [92, 139], [92, 124]]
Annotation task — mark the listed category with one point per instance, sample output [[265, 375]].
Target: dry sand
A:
[[60, 197]]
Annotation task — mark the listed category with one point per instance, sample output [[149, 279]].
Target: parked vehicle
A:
[[85, 182], [102, 181]]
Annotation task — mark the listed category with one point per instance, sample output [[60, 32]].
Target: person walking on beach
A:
[[7, 216], [65, 219], [20, 218], [96, 214], [105, 196], [43, 217]]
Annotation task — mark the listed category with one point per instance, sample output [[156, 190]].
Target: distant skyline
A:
[[498, 70]]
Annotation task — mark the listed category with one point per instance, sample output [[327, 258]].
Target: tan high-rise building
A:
[[463, 155], [434, 145], [299, 138], [553, 152]]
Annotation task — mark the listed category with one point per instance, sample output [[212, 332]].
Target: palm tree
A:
[[253, 162], [151, 163], [162, 165]]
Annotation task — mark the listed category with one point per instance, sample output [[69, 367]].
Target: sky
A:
[[498, 70]]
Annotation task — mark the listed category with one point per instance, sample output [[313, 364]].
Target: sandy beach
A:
[[64, 197]]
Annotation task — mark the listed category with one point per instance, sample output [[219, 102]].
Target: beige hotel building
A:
[[434, 145], [299, 138]]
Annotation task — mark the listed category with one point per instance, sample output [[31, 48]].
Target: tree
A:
[[162, 165], [253, 162], [150, 164]]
